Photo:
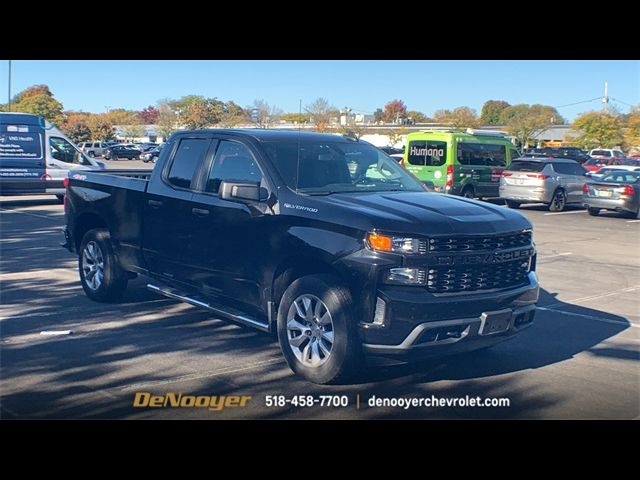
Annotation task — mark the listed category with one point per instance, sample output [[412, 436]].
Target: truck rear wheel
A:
[[317, 330], [100, 274]]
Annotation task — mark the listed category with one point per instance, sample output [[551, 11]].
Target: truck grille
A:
[[479, 242], [467, 278]]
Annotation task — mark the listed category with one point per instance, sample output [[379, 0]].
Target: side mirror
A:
[[242, 191]]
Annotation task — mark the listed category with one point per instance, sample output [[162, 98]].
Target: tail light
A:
[[449, 183], [628, 190], [585, 188], [506, 174], [65, 182], [537, 176]]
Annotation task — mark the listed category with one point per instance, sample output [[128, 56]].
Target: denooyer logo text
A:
[[215, 403]]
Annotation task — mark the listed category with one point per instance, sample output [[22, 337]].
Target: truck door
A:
[[167, 218], [22, 157], [229, 238]]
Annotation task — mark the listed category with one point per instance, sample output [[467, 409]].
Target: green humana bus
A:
[[460, 163]]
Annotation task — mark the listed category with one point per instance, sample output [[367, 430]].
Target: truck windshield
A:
[[322, 168]]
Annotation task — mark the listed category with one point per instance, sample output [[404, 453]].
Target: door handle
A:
[[155, 203], [200, 212]]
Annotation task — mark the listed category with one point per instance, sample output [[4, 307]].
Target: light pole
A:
[[9, 99]]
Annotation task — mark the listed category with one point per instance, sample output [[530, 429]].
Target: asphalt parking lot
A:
[[580, 360]]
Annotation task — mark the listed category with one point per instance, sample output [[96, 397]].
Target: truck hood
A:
[[421, 213]]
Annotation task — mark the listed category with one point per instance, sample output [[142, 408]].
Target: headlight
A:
[[386, 243]]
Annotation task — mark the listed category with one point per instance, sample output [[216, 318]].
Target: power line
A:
[[578, 103], [624, 103]]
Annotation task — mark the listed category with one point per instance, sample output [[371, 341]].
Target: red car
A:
[[596, 163]]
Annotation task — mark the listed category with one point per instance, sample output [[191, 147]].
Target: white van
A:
[[35, 157]]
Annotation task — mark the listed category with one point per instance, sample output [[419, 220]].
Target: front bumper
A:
[[616, 204], [417, 325]]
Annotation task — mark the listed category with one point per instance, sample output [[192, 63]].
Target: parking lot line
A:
[[633, 221], [610, 293], [590, 317], [566, 213], [48, 217], [564, 254]]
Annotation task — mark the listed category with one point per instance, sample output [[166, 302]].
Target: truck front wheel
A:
[[317, 330], [100, 274]]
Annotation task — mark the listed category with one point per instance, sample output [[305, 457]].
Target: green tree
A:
[[39, 100], [167, 118], [76, 128], [418, 117], [525, 122], [320, 112], [120, 116], [491, 111], [598, 130], [232, 114], [632, 129], [459, 118], [131, 132], [196, 111], [101, 128], [394, 111]]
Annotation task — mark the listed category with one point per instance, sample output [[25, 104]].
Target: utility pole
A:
[[9, 100], [605, 99]]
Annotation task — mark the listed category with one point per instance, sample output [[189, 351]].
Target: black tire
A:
[[60, 198], [468, 192], [345, 356], [114, 156], [92, 154], [113, 281], [594, 212], [512, 204], [558, 202]]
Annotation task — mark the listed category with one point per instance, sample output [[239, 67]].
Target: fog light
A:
[[405, 276]]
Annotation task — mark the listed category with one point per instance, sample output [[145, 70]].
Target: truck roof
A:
[[268, 135], [21, 118]]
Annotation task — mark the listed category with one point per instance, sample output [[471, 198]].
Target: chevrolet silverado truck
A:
[[322, 239]]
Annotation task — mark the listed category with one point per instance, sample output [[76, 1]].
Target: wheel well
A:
[[294, 268], [84, 223]]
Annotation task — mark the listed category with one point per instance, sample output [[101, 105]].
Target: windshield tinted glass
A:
[[332, 167], [526, 166], [602, 153]]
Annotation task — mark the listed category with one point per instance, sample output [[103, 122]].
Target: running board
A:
[[228, 312]]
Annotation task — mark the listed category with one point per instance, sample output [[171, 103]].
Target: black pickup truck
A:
[[323, 239]]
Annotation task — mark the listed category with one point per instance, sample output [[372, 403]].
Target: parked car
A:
[[122, 151], [607, 170], [597, 163], [619, 191], [272, 230], [93, 149], [606, 153], [145, 147], [460, 163], [392, 150], [152, 155], [571, 153], [553, 181], [35, 157]]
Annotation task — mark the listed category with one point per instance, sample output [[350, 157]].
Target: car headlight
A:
[[395, 244]]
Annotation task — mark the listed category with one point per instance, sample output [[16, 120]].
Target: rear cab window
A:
[[186, 161]]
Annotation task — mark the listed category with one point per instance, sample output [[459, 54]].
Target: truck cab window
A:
[[64, 151], [186, 161], [233, 162]]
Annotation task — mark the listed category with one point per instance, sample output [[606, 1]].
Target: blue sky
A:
[[424, 85]]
